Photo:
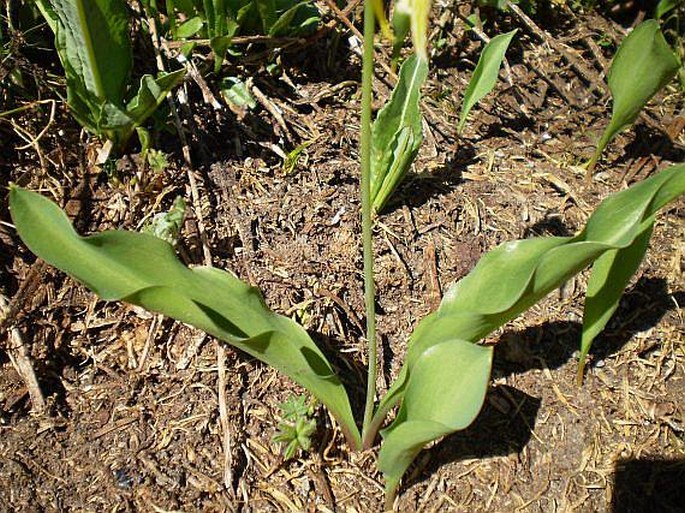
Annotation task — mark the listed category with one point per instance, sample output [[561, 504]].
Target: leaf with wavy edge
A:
[[143, 270], [509, 280], [444, 394]]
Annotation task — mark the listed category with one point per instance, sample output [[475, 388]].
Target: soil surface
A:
[[131, 420]]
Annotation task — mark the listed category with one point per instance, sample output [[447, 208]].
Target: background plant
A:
[[397, 132], [216, 22], [642, 66], [93, 43], [296, 426]]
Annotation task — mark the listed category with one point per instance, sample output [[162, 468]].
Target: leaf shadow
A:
[[505, 423], [419, 188], [553, 344], [648, 141], [648, 485], [504, 426]]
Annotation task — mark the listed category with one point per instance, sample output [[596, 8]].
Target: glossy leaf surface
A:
[[506, 282], [444, 393]]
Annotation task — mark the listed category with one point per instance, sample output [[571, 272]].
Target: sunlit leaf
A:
[[666, 6], [485, 75], [397, 132], [93, 42], [444, 393], [515, 276], [143, 270], [643, 64], [189, 28]]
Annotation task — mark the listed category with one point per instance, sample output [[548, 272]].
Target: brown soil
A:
[[132, 416]]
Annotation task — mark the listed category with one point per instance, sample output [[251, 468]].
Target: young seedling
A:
[[442, 385], [642, 66], [167, 225], [296, 426], [485, 75]]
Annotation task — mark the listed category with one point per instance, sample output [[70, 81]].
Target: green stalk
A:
[[369, 286]]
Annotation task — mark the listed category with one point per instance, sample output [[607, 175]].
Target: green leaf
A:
[[235, 91], [267, 13], [643, 64], [517, 274], [143, 270], [664, 7], [485, 75], [397, 132], [284, 25], [444, 393], [151, 93], [189, 28], [93, 43], [167, 225], [610, 275]]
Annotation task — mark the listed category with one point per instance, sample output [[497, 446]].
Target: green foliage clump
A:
[[296, 426]]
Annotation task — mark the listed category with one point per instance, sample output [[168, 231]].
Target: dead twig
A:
[[223, 415], [590, 76], [21, 360]]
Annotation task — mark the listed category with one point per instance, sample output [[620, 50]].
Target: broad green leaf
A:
[[235, 91], [118, 123], [485, 75], [151, 93], [93, 43], [643, 64], [666, 6], [397, 132], [189, 28], [267, 13], [444, 393], [610, 275], [518, 274], [143, 270]]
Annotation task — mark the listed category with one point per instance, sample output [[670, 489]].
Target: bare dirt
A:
[[131, 420]]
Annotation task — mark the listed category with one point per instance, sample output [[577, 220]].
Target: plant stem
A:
[[369, 286]]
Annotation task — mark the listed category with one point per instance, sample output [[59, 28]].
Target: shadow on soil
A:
[[648, 485], [649, 142], [553, 344], [503, 427], [418, 189]]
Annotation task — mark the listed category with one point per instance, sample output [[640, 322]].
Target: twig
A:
[[343, 17], [589, 76], [22, 362], [197, 206], [223, 415], [239, 40], [272, 109]]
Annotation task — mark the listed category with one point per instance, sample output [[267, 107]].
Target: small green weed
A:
[[296, 425]]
